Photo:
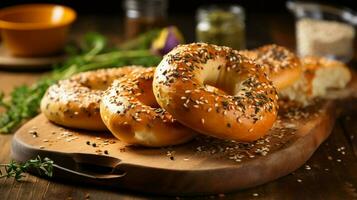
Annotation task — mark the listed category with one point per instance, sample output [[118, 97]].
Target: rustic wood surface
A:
[[329, 174], [227, 166]]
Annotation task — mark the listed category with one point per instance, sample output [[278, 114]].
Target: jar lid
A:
[[223, 11], [148, 8], [145, 5]]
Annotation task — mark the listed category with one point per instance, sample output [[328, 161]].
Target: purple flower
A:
[[168, 39]]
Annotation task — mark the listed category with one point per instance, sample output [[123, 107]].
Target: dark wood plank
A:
[[329, 174], [350, 130]]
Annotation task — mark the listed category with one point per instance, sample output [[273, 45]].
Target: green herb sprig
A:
[[17, 170], [91, 54]]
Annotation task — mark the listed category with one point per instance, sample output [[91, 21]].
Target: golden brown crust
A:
[[245, 112], [281, 65], [130, 111], [315, 62], [74, 102]]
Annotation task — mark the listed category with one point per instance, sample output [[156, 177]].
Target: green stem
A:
[[102, 60], [121, 54]]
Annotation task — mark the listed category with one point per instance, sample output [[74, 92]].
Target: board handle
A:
[[82, 165], [90, 175], [90, 166]]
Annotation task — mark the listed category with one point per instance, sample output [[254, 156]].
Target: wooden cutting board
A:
[[203, 166]]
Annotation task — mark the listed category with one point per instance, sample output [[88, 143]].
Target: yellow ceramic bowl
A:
[[35, 29]]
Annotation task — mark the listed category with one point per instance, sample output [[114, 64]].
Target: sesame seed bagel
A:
[[282, 66], [74, 102], [244, 107], [130, 111]]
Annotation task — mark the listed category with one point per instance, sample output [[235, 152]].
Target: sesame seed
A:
[[33, 133]]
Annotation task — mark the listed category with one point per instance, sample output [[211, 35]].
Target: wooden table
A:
[[329, 174]]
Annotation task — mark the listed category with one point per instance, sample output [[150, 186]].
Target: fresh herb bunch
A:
[[92, 53], [17, 170]]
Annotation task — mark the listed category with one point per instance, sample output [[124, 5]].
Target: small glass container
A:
[[221, 25], [324, 30], [144, 15]]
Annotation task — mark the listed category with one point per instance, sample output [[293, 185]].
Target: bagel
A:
[[244, 111], [282, 66], [322, 78], [130, 111], [74, 102]]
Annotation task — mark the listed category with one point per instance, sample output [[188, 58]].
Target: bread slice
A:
[[321, 78]]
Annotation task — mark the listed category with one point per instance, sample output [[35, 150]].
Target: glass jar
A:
[[144, 15], [323, 30], [221, 25]]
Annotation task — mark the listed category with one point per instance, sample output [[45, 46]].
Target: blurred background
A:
[[187, 7], [260, 22], [182, 13]]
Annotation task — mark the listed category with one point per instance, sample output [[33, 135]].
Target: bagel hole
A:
[[225, 83], [215, 89], [96, 83], [221, 85], [217, 79], [147, 96]]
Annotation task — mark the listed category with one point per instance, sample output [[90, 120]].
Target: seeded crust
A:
[[74, 102], [281, 65], [130, 111], [244, 112]]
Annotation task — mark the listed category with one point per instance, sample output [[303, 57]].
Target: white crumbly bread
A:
[[321, 78]]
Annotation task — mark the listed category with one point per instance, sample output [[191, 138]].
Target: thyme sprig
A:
[[17, 170]]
